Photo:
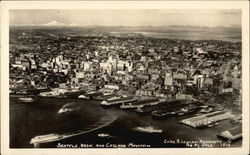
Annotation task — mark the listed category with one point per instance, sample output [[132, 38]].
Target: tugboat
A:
[[148, 129], [26, 99]]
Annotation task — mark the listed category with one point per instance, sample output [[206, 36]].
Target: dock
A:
[[231, 134], [206, 119]]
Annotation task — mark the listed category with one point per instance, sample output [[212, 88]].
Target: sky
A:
[[192, 17]]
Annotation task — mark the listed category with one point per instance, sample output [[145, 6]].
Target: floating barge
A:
[[206, 119], [231, 134]]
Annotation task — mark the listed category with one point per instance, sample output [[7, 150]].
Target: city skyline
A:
[[209, 18]]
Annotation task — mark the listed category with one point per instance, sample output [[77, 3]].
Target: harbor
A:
[[84, 124]]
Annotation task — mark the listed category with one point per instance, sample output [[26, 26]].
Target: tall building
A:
[[198, 80], [168, 79], [113, 62]]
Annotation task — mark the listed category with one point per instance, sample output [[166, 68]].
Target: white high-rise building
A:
[[168, 79]]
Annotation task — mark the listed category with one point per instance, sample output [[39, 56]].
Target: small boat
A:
[[26, 99], [180, 114], [82, 96], [210, 125], [103, 135], [173, 113], [217, 123], [148, 129], [90, 95], [69, 107]]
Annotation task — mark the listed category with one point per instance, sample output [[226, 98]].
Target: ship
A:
[[90, 95], [45, 138], [118, 100], [26, 99], [74, 93], [103, 135], [148, 129], [164, 106], [139, 104], [54, 93], [164, 113], [105, 96]]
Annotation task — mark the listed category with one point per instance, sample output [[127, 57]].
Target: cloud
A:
[[54, 23]]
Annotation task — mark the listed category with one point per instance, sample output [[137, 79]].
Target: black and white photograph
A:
[[95, 78]]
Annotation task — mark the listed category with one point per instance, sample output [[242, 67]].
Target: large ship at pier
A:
[[132, 105], [118, 100], [90, 95]]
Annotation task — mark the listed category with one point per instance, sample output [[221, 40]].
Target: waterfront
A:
[[28, 120]]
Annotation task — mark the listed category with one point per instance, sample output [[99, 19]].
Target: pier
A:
[[206, 119], [231, 134]]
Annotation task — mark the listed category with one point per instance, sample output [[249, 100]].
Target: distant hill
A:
[[186, 32]]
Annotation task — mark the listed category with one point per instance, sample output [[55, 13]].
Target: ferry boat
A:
[[26, 99], [54, 93], [74, 93], [148, 129], [139, 104], [90, 95], [118, 100], [105, 96], [45, 138]]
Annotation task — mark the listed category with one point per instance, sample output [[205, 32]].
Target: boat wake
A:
[[56, 137]]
